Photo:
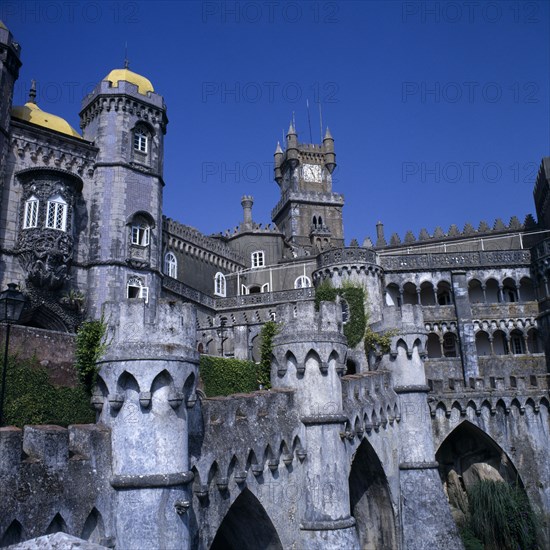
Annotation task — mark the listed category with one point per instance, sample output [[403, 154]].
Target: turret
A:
[[310, 356], [9, 72], [146, 385], [330, 157], [246, 202], [292, 146], [126, 120], [277, 162]]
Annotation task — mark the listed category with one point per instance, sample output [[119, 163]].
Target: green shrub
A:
[[89, 347], [471, 542], [501, 516], [354, 329], [269, 330], [32, 399], [223, 376]]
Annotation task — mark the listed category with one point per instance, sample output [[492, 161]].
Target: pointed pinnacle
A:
[[291, 130], [32, 92], [278, 149], [328, 135]]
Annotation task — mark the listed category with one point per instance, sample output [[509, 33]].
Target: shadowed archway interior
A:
[[370, 501], [246, 526]]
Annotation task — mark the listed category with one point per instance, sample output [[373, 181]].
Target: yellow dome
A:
[[116, 75], [30, 112]]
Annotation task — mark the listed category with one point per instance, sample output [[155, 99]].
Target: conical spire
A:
[[278, 150], [328, 135], [291, 130], [32, 92]]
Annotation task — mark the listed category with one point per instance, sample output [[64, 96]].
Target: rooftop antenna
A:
[[321, 120], [309, 121], [126, 62]]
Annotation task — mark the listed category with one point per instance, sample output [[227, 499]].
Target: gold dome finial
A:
[[32, 92]]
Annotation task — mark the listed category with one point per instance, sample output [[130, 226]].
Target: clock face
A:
[[312, 172]]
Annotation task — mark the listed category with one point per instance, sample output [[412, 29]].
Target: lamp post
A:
[[221, 331], [12, 303]]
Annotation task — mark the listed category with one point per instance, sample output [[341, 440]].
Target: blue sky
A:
[[439, 110]]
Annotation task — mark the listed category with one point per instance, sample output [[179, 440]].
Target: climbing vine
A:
[[269, 330], [376, 341], [90, 346], [354, 296]]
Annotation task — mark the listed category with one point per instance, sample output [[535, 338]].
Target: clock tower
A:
[[309, 214]]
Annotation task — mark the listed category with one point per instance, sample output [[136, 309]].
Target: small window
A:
[[345, 311], [170, 265], [141, 141], [258, 259], [265, 287], [56, 214], [30, 217], [135, 289], [302, 282], [219, 285], [518, 344], [140, 234]]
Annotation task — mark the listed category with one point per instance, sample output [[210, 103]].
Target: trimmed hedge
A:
[[354, 329], [224, 376], [32, 399]]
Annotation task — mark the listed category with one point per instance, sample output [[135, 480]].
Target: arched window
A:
[[345, 311], [140, 233], [315, 221], [517, 342], [219, 285], [170, 265], [56, 214], [302, 282], [258, 259], [265, 287], [135, 289], [30, 217], [449, 345], [141, 140]]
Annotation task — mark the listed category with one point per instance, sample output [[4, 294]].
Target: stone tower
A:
[[309, 214], [126, 120], [146, 383], [9, 72], [425, 523], [310, 358]]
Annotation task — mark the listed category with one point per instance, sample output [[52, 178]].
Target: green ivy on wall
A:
[[354, 295], [225, 376], [269, 330], [89, 347], [32, 399]]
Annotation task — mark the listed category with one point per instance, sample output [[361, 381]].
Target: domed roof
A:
[[30, 112], [116, 75]]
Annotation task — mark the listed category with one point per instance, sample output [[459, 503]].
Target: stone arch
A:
[[509, 290], [57, 525], [427, 295], [13, 534], [444, 293], [491, 291], [500, 343], [370, 500], [126, 381], [409, 293], [163, 382], [533, 341], [483, 344], [44, 317], [393, 297], [433, 345], [466, 456], [526, 290], [246, 526], [93, 530], [475, 291], [312, 359]]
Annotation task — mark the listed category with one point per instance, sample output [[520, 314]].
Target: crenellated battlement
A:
[[52, 446]]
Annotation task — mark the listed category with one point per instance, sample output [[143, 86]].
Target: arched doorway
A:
[[370, 501], [467, 456], [246, 526]]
